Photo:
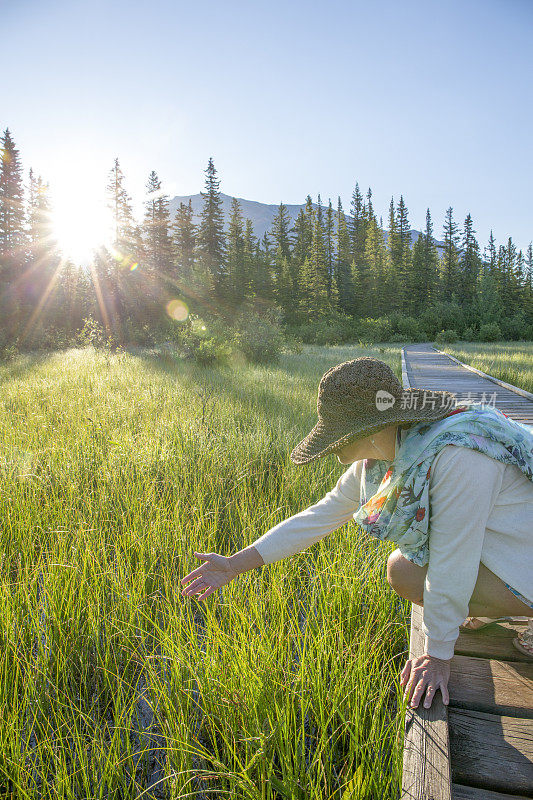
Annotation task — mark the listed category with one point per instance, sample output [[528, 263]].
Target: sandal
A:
[[484, 622], [524, 641]]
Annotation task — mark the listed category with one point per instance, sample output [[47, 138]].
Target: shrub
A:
[[406, 327], [208, 352], [441, 316], [91, 333], [8, 353], [469, 335], [375, 330], [446, 336], [513, 328], [261, 341], [331, 329], [490, 332]]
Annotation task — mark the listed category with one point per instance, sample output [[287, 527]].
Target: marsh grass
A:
[[511, 362], [284, 684]]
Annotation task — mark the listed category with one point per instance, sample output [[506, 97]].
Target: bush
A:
[[261, 341], [8, 353], [490, 332], [331, 329], [441, 316], [92, 333], [447, 336], [209, 352], [469, 335], [407, 328], [374, 330], [513, 328]]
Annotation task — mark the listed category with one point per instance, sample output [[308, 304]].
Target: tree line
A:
[[326, 266]]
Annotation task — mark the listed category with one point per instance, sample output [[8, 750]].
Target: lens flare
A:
[[177, 310]]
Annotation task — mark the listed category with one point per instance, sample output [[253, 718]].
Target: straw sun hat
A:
[[361, 397]]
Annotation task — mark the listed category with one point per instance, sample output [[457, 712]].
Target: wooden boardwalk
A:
[[480, 747]]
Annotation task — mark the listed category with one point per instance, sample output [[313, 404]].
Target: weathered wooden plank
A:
[[426, 756], [494, 642], [471, 793], [491, 752], [487, 733], [496, 687]]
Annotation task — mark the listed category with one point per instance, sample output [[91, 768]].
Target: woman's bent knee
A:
[[406, 578]]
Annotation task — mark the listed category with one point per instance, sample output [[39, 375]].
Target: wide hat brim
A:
[[326, 437]]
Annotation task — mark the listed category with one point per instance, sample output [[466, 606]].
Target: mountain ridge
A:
[[261, 214]]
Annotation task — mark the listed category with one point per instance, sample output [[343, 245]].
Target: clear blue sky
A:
[[432, 100]]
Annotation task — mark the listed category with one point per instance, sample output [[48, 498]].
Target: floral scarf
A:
[[394, 496]]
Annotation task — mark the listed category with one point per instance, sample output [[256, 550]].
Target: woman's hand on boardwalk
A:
[[425, 673], [215, 572]]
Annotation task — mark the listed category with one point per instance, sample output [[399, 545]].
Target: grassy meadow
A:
[[511, 362], [283, 684]]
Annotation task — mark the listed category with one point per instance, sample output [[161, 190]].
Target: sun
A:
[[80, 228]]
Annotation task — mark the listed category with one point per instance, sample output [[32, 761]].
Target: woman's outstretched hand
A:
[[425, 673], [215, 572]]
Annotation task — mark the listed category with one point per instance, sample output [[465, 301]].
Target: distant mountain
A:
[[261, 214]]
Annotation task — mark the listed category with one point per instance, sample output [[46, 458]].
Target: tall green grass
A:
[[511, 362], [284, 684]]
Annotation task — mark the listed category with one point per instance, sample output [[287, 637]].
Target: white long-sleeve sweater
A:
[[481, 510]]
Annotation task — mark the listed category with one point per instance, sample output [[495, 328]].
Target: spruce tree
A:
[[376, 258], [490, 255], [211, 238], [428, 291], [235, 290], [314, 277], [119, 203], [303, 233], [404, 255], [249, 260], [356, 225], [343, 273], [184, 237], [329, 242], [470, 262], [12, 231], [529, 266], [280, 231], [449, 266], [159, 256]]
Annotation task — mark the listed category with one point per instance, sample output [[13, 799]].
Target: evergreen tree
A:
[[12, 229], [158, 250], [391, 235], [38, 283], [211, 238], [529, 266], [280, 231], [121, 286], [344, 278], [490, 255], [450, 276], [356, 227], [249, 260], [314, 278], [119, 203], [329, 242], [470, 263], [184, 237], [303, 232], [263, 283], [404, 255], [376, 257], [235, 290], [369, 208]]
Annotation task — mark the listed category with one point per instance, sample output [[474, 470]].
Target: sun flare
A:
[[80, 229]]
